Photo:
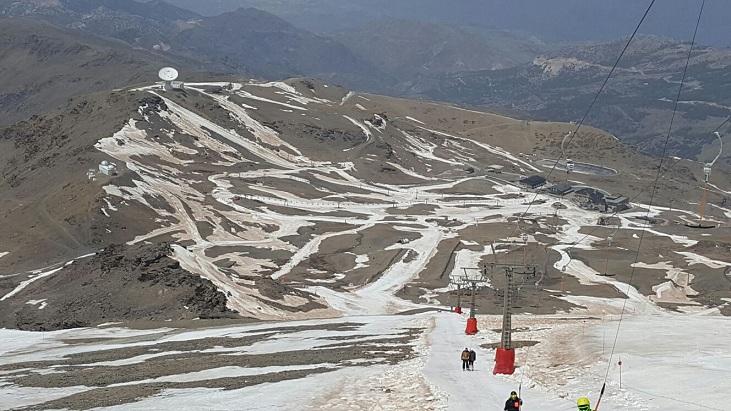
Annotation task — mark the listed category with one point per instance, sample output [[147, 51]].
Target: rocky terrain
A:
[[301, 199], [119, 283], [240, 243], [525, 65]]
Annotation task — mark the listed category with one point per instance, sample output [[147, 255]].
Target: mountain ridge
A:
[[272, 191], [43, 65], [635, 106]]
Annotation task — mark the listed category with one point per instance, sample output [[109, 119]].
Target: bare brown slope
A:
[[42, 65], [120, 283], [49, 210], [537, 140]]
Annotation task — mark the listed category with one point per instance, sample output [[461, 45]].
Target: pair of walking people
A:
[[468, 359]]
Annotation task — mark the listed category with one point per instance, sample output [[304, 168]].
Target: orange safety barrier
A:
[[471, 326], [504, 361]]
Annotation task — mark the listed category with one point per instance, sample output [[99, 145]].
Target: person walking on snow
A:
[[473, 357], [513, 403], [584, 404], [465, 359]]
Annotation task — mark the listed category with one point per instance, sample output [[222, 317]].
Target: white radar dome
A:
[[168, 74]]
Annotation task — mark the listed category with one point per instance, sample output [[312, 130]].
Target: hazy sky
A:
[[552, 20]]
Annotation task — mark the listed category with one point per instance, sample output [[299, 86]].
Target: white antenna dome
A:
[[168, 74]]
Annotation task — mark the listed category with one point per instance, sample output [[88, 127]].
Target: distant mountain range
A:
[[256, 42], [406, 48], [636, 106], [397, 49], [555, 21]]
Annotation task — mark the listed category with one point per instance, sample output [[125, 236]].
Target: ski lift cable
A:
[[722, 124], [663, 173], [652, 195], [586, 114], [696, 405], [575, 132], [595, 99]]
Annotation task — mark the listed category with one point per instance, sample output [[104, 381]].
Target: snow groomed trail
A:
[[473, 390]]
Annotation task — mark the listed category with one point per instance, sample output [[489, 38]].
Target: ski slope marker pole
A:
[[601, 394], [620, 372]]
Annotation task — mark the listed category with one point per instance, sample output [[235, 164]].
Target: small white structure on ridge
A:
[[168, 75], [107, 168]]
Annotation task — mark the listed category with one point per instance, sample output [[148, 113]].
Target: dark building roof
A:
[[561, 188], [593, 195], [533, 181]]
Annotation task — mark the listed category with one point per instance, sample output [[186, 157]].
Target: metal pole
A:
[[525, 251], [505, 341], [620, 373], [472, 304]]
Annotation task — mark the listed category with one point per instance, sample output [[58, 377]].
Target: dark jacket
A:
[[513, 405], [473, 356]]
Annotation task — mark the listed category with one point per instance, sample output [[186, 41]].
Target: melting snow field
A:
[[671, 361]]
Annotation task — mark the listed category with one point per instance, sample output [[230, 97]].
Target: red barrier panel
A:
[[458, 310], [504, 361], [471, 326]]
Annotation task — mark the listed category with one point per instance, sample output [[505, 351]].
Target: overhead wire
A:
[[594, 100], [696, 404], [660, 174], [640, 192], [632, 199], [565, 142], [652, 197], [722, 124]]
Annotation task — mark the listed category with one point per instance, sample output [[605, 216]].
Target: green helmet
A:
[[584, 404]]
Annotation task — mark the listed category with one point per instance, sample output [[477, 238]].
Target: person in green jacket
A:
[[584, 404]]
